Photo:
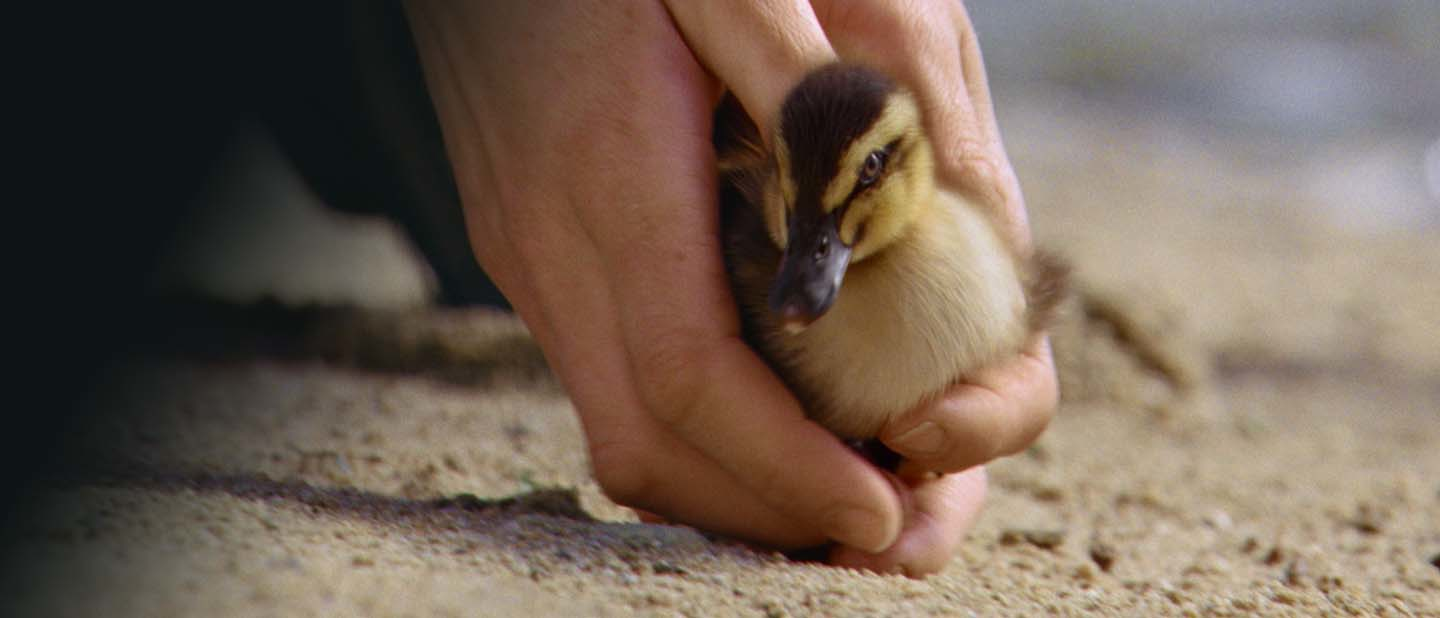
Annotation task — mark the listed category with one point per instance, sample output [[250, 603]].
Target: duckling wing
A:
[[737, 140], [751, 257]]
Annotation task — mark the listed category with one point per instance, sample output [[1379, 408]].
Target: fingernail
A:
[[923, 440], [857, 528]]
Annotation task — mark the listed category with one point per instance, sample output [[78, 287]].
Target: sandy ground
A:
[[1252, 404]]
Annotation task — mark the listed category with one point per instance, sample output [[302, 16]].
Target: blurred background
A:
[[1337, 103], [1342, 97]]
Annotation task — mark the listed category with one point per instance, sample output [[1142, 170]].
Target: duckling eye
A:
[[870, 170]]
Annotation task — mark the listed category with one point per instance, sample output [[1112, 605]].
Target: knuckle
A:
[[666, 376], [889, 17], [528, 246], [987, 425], [852, 16], [896, 27], [1037, 419], [623, 473], [968, 434], [976, 165], [1046, 397], [985, 431], [991, 439], [985, 174], [769, 485], [972, 437]]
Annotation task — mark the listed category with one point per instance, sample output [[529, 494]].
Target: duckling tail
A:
[[1047, 282]]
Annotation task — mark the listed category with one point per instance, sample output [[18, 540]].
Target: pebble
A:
[[1369, 519], [1219, 520], [1295, 573], [1044, 539], [665, 568], [1103, 555]]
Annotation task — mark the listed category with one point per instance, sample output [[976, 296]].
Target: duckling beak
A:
[[810, 273]]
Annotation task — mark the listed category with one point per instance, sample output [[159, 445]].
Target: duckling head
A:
[[853, 171]]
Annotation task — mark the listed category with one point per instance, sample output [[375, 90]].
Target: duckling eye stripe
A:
[[891, 160], [899, 117]]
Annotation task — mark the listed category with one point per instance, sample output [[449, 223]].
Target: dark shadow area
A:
[[341, 501], [465, 347], [139, 104], [546, 527]]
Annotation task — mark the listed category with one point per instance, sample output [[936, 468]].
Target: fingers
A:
[[985, 168], [759, 49], [639, 463], [670, 480], [636, 462], [972, 65], [696, 376], [734, 410], [656, 238], [598, 190], [614, 246], [944, 510], [999, 411]]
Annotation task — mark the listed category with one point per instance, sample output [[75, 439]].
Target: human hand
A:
[[931, 47], [580, 137], [580, 140]]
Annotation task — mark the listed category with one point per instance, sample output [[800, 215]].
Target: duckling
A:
[[865, 285]]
